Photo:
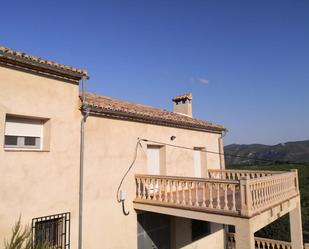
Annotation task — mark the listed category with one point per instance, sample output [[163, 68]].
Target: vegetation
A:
[[280, 229], [22, 238]]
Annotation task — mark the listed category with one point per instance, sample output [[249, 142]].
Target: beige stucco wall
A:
[[35, 184], [109, 151], [183, 233]]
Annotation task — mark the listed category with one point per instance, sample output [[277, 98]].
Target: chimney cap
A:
[[183, 97]]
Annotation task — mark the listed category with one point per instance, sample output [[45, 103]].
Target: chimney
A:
[[183, 104]]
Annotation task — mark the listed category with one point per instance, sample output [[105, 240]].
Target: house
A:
[[149, 178]]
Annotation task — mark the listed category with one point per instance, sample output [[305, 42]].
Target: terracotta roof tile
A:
[[121, 109], [20, 56]]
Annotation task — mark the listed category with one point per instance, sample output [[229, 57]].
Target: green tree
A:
[[21, 238], [280, 229]]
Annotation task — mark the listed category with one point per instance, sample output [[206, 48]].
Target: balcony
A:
[[248, 200], [228, 192]]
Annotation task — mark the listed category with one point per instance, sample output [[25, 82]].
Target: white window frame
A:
[[21, 142], [13, 128]]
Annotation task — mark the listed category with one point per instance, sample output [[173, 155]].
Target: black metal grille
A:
[[53, 230]]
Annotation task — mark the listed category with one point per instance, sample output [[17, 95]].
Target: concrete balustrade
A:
[[196, 193], [243, 193], [262, 243], [269, 190], [233, 174]]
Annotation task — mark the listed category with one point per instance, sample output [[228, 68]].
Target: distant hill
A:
[[290, 151]]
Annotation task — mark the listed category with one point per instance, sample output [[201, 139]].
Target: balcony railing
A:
[[262, 243], [233, 192], [233, 174]]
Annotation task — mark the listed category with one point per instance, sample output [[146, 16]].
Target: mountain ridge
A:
[[294, 151]]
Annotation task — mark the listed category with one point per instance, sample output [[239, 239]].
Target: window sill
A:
[[24, 150]]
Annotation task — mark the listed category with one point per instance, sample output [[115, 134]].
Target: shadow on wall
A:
[[201, 237], [164, 232], [153, 231]]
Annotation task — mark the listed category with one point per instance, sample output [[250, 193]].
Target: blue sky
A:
[[246, 62]]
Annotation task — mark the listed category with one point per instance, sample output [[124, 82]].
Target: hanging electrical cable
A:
[[226, 154], [121, 198]]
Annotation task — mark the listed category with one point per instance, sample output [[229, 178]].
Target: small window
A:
[[200, 229], [23, 133], [52, 230]]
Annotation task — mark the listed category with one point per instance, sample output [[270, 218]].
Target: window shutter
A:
[[23, 127], [153, 154]]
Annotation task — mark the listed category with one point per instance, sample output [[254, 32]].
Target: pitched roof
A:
[[20, 59], [115, 108]]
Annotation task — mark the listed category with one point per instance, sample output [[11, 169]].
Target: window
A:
[[53, 230], [25, 133], [200, 229]]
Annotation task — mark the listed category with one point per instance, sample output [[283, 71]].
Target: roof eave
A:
[[99, 111], [33, 66]]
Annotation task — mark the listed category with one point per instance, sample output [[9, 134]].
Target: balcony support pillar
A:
[[244, 235], [246, 198], [296, 227]]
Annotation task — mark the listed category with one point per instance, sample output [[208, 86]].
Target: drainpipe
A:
[[85, 113], [222, 167], [221, 149]]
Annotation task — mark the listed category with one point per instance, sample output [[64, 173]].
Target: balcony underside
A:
[[258, 221]]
